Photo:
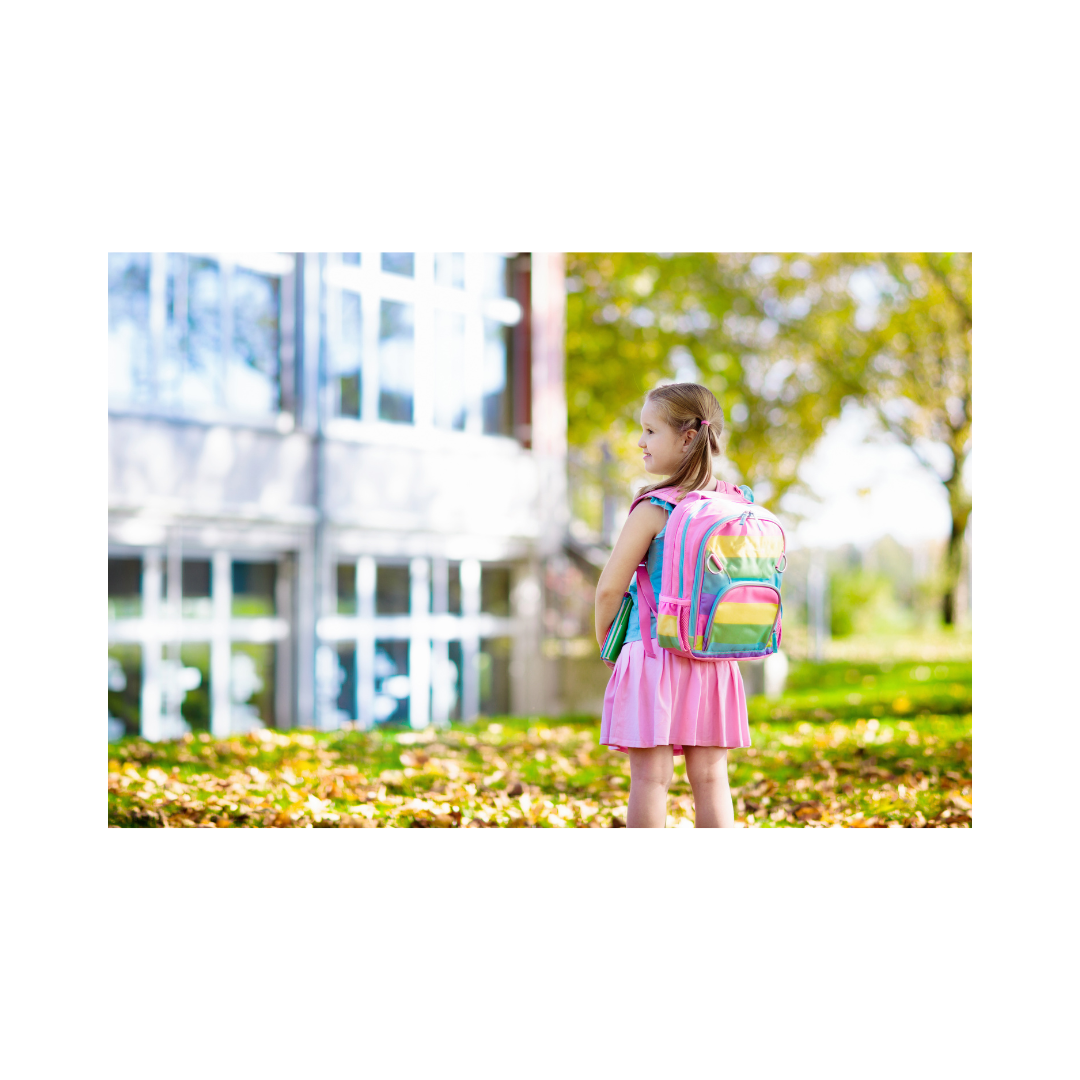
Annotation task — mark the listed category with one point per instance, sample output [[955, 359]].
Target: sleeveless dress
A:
[[670, 700]]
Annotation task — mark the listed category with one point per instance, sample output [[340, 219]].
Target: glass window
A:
[[391, 682], [125, 685], [251, 685], [398, 262], [454, 655], [195, 708], [253, 588], [493, 269], [129, 326], [391, 589], [496, 399], [450, 269], [346, 699], [454, 588], [450, 370], [195, 601], [350, 258], [346, 588], [196, 381], [251, 379], [494, 661], [125, 588], [396, 361], [347, 363], [495, 590]]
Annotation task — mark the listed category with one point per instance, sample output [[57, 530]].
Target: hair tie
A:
[[704, 423]]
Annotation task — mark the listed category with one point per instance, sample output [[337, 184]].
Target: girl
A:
[[657, 707]]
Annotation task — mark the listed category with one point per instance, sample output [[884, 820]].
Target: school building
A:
[[334, 483]]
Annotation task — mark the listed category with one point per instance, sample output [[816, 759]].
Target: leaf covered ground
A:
[[909, 766]]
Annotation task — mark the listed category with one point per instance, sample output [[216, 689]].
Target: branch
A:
[[965, 309]]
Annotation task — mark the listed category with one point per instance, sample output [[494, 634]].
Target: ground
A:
[[861, 745]]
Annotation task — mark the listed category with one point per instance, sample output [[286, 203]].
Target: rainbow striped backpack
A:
[[720, 584]]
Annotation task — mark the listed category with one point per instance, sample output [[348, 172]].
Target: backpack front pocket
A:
[[742, 621]]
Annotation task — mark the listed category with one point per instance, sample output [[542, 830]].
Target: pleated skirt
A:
[[671, 700]]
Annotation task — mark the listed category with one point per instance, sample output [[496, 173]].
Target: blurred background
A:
[[377, 489]]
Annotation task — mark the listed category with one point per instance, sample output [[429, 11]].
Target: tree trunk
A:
[[960, 508]]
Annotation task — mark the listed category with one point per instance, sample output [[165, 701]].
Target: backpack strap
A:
[[646, 604]]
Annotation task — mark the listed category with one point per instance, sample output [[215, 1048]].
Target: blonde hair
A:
[[684, 406]]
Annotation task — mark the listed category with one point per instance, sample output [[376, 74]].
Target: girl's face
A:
[[664, 447]]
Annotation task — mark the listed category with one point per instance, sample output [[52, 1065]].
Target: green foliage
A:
[[864, 602]]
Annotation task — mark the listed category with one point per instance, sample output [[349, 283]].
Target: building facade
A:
[[334, 482]]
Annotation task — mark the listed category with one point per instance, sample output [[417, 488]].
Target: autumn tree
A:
[[898, 327], [635, 319]]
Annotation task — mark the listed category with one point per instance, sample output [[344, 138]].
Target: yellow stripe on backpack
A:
[[745, 614]]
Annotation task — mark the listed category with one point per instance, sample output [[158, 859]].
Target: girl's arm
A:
[[637, 534]]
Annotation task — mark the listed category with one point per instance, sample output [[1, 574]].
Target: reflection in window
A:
[[253, 588], [195, 600], [493, 268], [494, 386], [396, 361], [398, 262], [347, 361], [195, 382], [346, 588], [350, 258], [125, 684], [251, 381], [346, 699], [494, 661], [125, 588], [454, 654], [129, 326], [391, 589], [495, 590], [195, 708], [450, 371], [450, 270], [391, 682], [454, 588], [251, 685]]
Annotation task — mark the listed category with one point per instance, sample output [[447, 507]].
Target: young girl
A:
[[656, 707]]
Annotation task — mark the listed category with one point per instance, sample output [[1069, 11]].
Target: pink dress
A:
[[671, 700]]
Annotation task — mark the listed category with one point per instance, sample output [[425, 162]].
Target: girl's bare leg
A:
[[707, 771], [651, 770]]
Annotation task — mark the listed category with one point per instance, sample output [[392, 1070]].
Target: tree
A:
[[635, 319], [899, 327]]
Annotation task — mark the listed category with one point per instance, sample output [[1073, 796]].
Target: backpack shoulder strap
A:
[[666, 494]]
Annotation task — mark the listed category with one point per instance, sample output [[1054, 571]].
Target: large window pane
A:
[[495, 590], [391, 682], [125, 686], [396, 361], [251, 685], [391, 589], [253, 588], [195, 708], [251, 379], [195, 601], [454, 588], [450, 269], [450, 380], [346, 588], [454, 654], [398, 262], [129, 326], [493, 269], [346, 699], [125, 595], [494, 661], [346, 353], [496, 399], [350, 258], [194, 379]]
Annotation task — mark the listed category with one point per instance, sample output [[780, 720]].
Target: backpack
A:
[[720, 584]]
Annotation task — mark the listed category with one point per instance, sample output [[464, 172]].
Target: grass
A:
[[898, 756]]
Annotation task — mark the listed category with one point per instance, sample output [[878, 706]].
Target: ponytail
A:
[[686, 407]]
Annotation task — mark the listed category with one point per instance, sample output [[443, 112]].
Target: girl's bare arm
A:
[[637, 534]]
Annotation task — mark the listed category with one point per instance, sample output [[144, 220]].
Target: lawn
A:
[[861, 745]]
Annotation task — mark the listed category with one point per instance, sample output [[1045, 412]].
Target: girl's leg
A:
[[651, 770], [706, 769]]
